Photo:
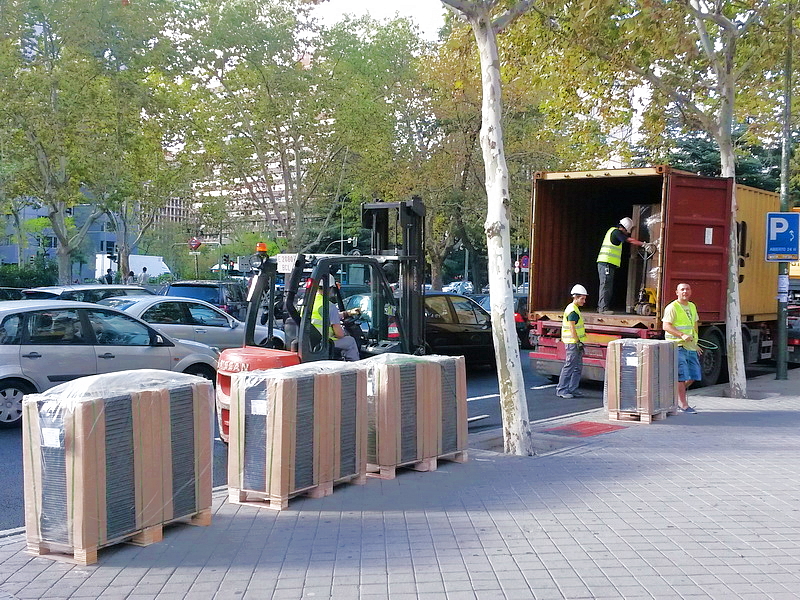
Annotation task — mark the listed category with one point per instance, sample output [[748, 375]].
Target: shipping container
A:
[[688, 217]]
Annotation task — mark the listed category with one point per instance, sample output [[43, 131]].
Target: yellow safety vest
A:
[[566, 332], [316, 315], [683, 323], [609, 252]]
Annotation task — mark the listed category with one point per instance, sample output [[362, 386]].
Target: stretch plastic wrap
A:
[[295, 428], [641, 376], [109, 455]]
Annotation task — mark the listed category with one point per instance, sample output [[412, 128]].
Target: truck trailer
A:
[[687, 217]]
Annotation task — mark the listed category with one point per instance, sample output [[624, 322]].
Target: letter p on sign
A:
[[776, 227]]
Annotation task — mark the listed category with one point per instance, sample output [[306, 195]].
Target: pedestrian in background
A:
[[609, 260], [680, 326], [144, 278], [573, 334], [108, 277], [130, 278]]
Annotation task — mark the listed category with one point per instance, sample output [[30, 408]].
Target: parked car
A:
[[229, 295], [459, 287], [83, 292], [454, 325], [190, 319], [520, 316], [9, 293], [47, 342]]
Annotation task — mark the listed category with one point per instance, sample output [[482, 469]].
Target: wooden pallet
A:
[[636, 417], [426, 464], [88, 556], [281, 502]]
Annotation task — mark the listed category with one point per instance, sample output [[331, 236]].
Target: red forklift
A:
[[389, 281]]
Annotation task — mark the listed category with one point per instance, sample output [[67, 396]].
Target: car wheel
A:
[[202, 370], [11, 393]]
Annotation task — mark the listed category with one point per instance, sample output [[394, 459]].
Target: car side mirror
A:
[[234, 324]]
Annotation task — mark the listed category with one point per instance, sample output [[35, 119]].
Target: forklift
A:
[[391, 306]]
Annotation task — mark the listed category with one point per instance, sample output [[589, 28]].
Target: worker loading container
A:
[[682, 221]]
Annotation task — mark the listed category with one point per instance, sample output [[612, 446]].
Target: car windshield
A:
[[39, 295], [198, 292]]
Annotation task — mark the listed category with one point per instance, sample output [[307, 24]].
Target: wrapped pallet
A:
[[417, 411], [641, 379], [451, 412], [114, 457], [293, 430]]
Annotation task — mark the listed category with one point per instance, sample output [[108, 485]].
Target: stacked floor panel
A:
[[641, 378], [114, 457], [417, 411], [298, 429]]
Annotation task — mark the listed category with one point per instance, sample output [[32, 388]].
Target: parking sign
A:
[[783, 237]]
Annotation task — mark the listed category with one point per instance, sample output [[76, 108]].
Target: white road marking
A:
[[483, 397], [477, 418], [544, 387]]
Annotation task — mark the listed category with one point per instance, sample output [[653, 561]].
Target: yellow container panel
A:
[[759, 279]]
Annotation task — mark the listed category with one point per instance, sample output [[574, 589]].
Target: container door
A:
[[695, 242]]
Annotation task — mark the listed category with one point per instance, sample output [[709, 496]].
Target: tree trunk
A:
[[735, 347], [513, 403], [436, 275], [64, 258]]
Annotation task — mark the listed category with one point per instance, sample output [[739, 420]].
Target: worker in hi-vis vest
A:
[[336, 333], [610, 258], [573, 334], [680, 326]]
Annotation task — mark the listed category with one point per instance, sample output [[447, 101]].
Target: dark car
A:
[[229, 295], [454, 325], [520, 315], [83, 293]]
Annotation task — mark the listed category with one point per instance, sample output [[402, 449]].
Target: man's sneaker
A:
[[688, 410], [565, 395]]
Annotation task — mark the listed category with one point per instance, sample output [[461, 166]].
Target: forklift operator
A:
[[341, 340]]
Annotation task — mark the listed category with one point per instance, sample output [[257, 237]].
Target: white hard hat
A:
[[627, 223], [578, 290]]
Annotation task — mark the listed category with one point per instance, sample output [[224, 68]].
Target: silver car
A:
[[191, 319], [47, 342]]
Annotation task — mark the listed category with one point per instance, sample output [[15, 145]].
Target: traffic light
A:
[[111, 254]]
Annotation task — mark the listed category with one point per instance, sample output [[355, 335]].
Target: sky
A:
[[428, 14]]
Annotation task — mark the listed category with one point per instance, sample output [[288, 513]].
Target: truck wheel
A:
[[711, 360]]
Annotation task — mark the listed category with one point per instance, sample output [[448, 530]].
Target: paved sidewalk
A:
[[695, 506]]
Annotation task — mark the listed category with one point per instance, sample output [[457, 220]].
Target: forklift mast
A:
[[406, 259], [402, 265]]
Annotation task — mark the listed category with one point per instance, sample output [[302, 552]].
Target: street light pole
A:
[[783, 267]]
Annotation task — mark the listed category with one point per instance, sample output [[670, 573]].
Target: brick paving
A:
[[691, 507]]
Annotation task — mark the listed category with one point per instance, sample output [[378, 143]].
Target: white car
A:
[[190, 319], [47, 342]]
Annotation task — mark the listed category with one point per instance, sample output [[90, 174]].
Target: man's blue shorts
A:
[[688, 365]]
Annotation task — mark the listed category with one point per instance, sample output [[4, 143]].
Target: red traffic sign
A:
[[194, 243], [524, 261]]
